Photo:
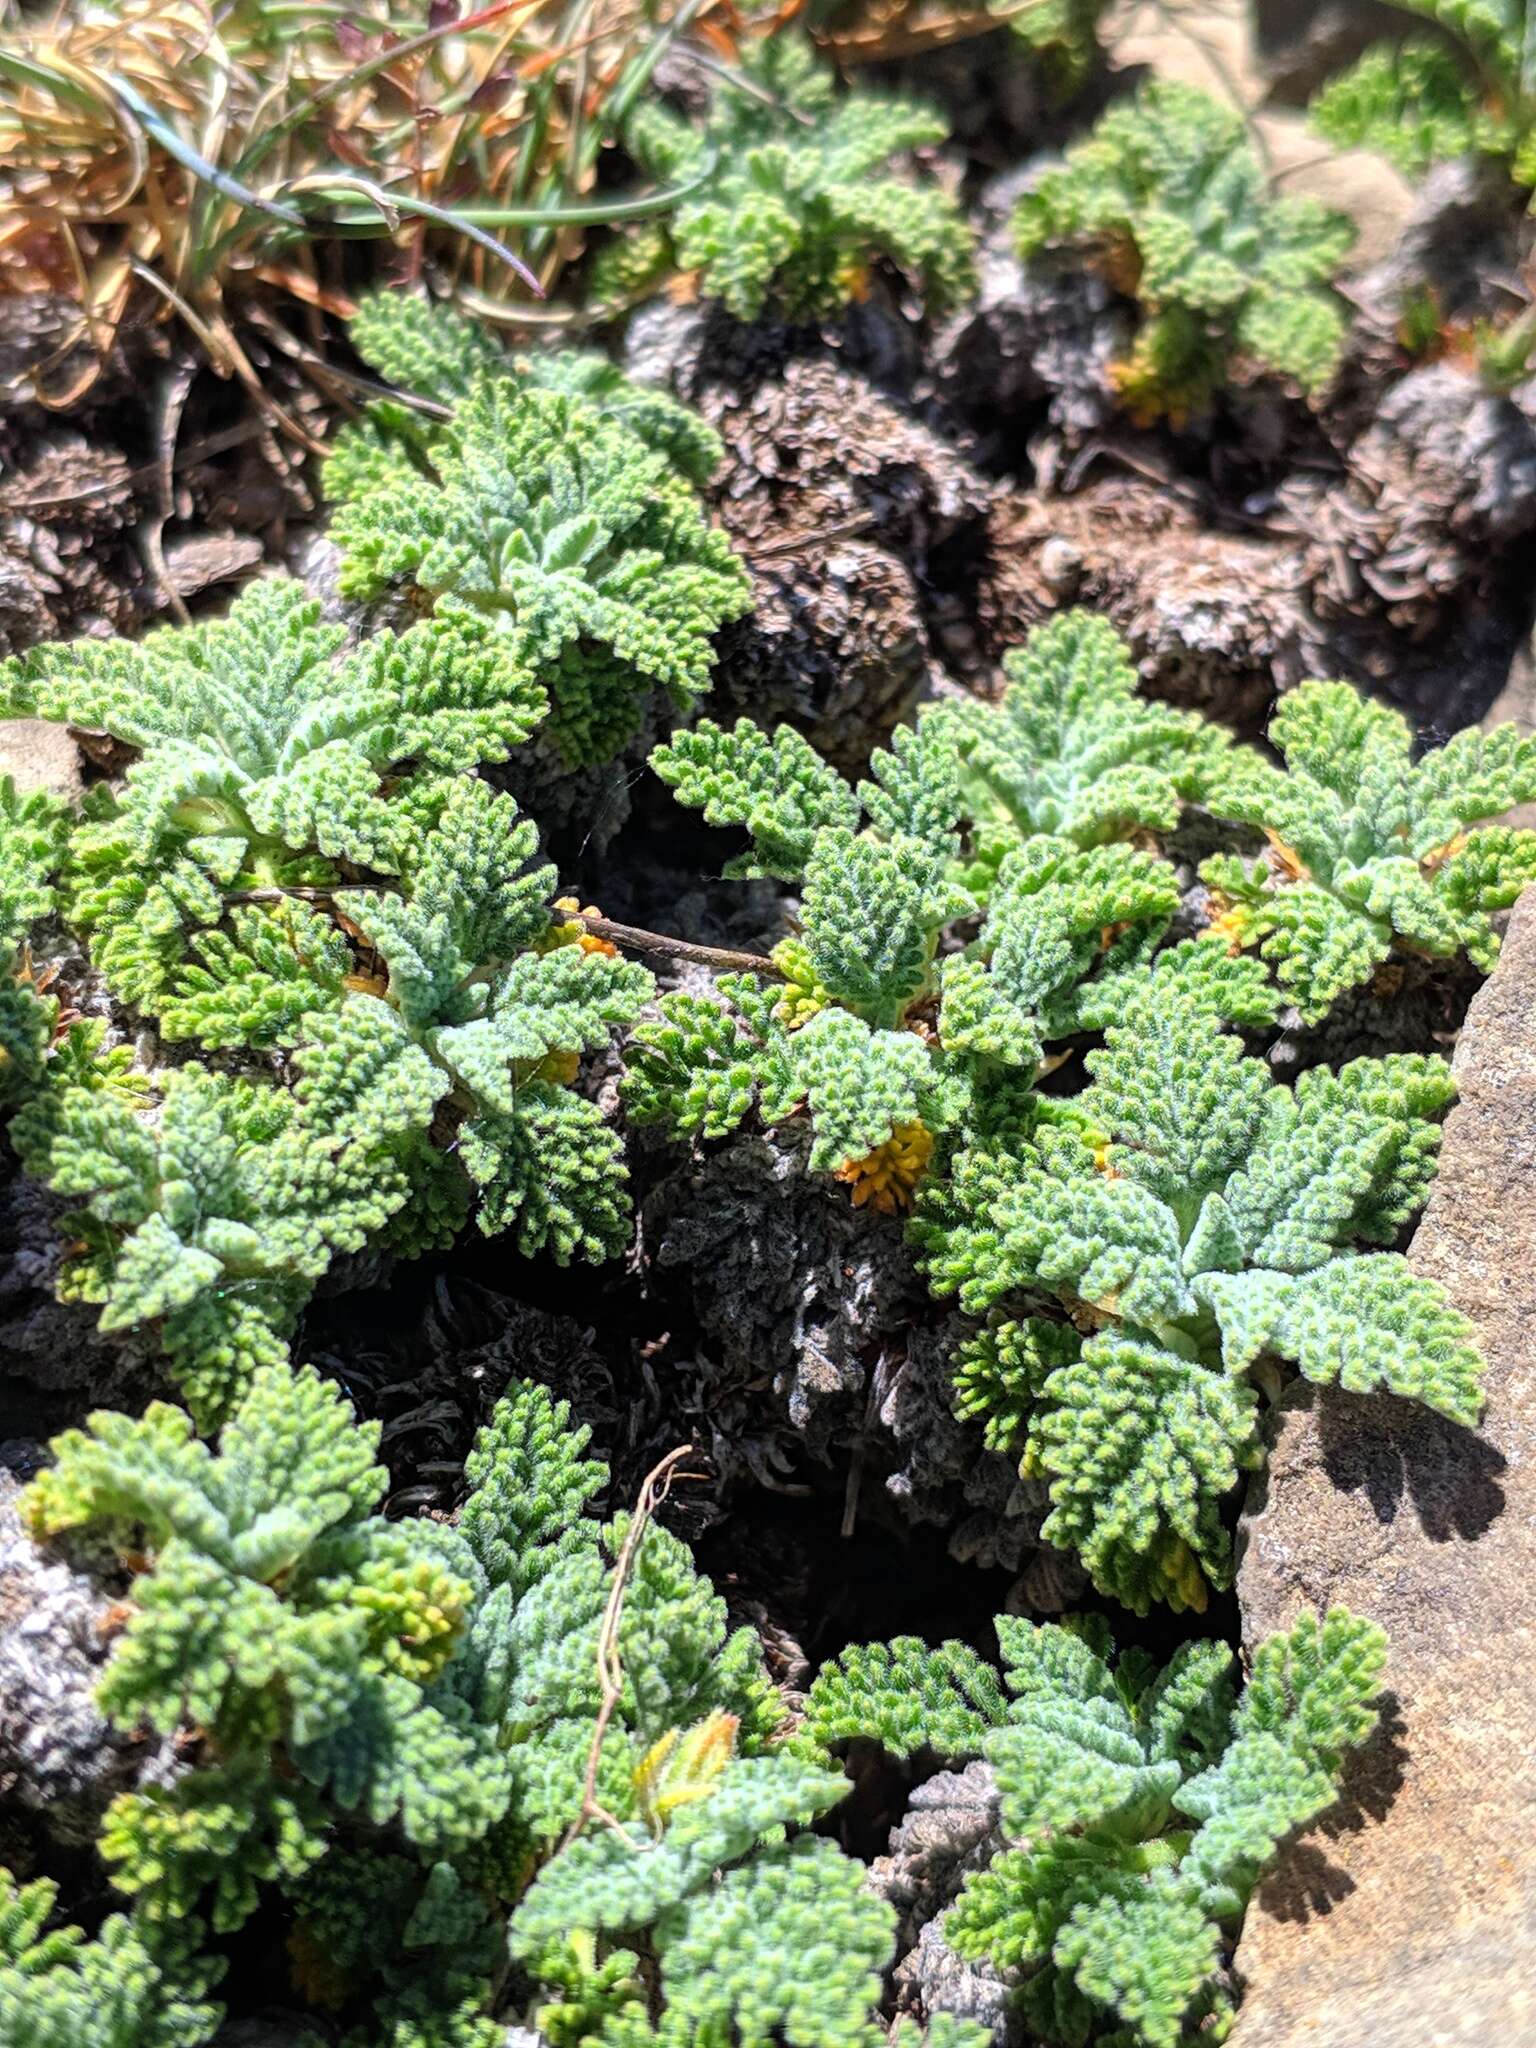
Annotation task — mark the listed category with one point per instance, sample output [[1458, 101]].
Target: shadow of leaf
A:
[[1394, 1450], [1306, 1885]]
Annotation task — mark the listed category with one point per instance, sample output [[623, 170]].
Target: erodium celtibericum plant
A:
[[1466, 89], [435, 352], [1140, 1807], [435, 1085], [1169, 193], [399, 1727], [270, 758], [892, 1028], [1368, 849], [796, 195], [1156, 1253], [34, 831], [553, 503], [130, 1985]]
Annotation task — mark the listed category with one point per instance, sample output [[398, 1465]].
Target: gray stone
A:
[[1409, 1918], [950, 1829], [60, 1758]]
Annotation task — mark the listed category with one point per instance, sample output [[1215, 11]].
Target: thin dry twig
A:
[[724, 959], [653, 1492]]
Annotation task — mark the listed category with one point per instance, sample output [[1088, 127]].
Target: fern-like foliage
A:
[[1071, 749], [33, 836], [1367, 848], [269, 760], [882, 1028], [1465, 91], [796, 203], [551, 506], [1170, 192], [213, 1203], [435, 352], [488, 1005], [133, 1985], [1193, 1219], [290, 1625], [212, 1211], [392, 1723], [1141, 1806]]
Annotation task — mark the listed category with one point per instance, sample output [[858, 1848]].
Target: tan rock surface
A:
[[38, 755], [1409, 1919]]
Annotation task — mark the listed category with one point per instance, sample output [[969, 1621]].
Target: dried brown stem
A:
[[723, 959], [610, 1676]]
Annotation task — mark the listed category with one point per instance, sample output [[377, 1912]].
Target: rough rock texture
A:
[[950, 1829], [838, 502], [38, 755], [1416, 563], [53, 1348], [843, 507], [1035, 344], [65, 566], [1461, 242], [1410, 1922], [60, 1759], [1213, 619], [790, 1283]]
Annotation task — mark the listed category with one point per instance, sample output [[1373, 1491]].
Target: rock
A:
[[1033, 348], [37, 754], [845, 530], [790, 1284], [60, 1759], [931, 1978], [53, 1360], [1409, 1919], [1415, 565], [66, 564], [949, 1830], [1213, 619]]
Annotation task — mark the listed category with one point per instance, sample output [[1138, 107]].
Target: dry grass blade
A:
[[195, 161]]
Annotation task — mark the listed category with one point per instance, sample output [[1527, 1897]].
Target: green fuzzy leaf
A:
[[723, 1951], [1072, 749], [778, 787], [1370, 848], [701, 1066], [858, 1084], [134, 1985], [529, 1485], [1222, 262], [581, 549], [904, 1696], [615, 1881], [552, 1172], [794, 208], [1143, 1447], [1142, 1949], [871, 914]]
